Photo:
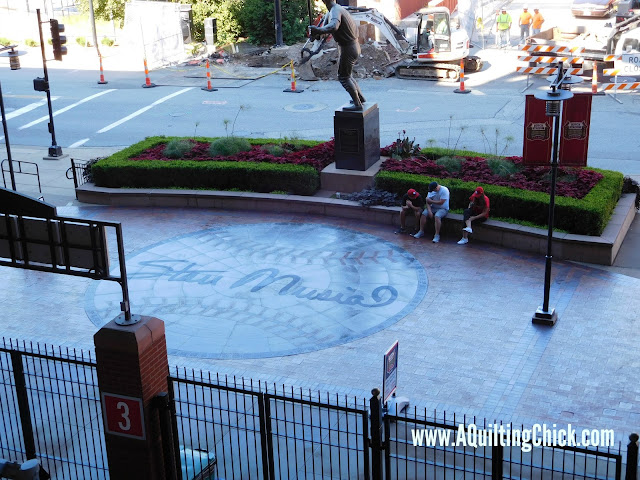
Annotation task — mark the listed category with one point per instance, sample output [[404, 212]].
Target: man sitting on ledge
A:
[[412, 203], [437, 208]]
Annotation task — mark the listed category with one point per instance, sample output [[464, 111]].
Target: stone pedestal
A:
[[357, 138]]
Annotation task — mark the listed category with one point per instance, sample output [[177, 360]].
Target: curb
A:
[[600, 250]]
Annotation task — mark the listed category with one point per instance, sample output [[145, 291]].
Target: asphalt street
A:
[[121, 112]]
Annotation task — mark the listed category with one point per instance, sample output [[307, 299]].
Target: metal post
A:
[[278, 17], [375, 407], [554, 99], [23, 404], [632, 458], [162, 403], [174, 428], [125, 306], [92, 21], [6, 141], [552, 204], [54, 149], [497, 460]]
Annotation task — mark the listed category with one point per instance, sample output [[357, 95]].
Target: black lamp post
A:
[[560, 84]]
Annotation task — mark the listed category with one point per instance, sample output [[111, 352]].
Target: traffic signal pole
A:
[[55, 151]]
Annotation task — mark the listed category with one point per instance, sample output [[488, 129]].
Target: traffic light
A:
[[58, 40]]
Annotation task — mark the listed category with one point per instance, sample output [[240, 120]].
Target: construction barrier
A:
[[553, 49], [147, 80], [102, 81], [461, 89], [548, 70], [594, 79], [615, 87], [622, 86], [209, 88], [541, 64], [293, 82]]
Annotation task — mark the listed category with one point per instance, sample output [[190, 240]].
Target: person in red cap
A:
[[412, 202], [478, 211]]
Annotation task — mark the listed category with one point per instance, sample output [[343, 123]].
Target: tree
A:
[[257, 20], [104, 9]]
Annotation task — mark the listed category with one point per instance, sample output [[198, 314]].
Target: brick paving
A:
[[467, 346]]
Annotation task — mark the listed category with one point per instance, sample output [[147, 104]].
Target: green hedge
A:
[[587, 216], [118, 171]]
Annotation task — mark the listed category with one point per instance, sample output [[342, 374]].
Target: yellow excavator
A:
[[431, 47]]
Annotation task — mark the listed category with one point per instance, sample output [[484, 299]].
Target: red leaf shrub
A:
[[571, 182], [317, 157]]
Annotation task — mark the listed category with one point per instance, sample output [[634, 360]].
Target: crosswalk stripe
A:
[[142, 110], [28, 108], [67, 108]]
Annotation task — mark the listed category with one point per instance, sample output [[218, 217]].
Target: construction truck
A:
[[599, 45], [430, 44]]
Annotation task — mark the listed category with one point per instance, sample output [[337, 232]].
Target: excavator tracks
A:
[[429, 71]]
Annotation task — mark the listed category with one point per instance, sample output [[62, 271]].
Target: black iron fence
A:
[[263, 431], [80, 172], [257, 430], [50, 410], [224, 428]]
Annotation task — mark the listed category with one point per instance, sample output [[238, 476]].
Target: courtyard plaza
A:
[[314, 302]]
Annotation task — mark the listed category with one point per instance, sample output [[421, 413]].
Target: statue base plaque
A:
[[357, 138]]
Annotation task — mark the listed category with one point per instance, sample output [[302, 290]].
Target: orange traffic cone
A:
[[209, 88], [102, 81], [293, 82], [594, 79], [147, 80], [461, 89]]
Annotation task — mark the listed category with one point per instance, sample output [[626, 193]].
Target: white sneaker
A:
[[463, 241], [468, 229], [436, 239], [419, 235]]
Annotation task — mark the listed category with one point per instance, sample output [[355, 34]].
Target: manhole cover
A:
[[305, 107]]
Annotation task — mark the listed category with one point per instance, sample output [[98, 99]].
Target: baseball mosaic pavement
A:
[[315, 302]]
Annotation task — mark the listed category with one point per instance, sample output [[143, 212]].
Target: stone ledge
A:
[[582, 248]]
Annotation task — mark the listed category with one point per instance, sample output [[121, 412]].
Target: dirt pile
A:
[[375, 60]]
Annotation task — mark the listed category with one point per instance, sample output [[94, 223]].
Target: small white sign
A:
[[629, 65]]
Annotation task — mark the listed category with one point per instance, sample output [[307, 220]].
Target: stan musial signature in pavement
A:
[[293, 284]]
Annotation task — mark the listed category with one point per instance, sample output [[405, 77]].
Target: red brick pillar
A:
[[132, 369]]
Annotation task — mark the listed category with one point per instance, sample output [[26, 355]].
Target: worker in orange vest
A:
[[525, 24], [537, 21]]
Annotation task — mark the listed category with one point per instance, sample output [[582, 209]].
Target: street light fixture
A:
[[558, 93]]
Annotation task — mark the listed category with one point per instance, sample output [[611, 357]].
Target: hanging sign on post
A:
[[537, 133], [390, 376]]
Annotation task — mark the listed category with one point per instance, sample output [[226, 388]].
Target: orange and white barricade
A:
[[617, 86], [541, 60]]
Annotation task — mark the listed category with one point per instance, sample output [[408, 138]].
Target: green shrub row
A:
[[118, 171], [586, 216]]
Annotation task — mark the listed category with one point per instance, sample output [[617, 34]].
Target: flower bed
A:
[[314, 154], [571, 182], [295, 168]]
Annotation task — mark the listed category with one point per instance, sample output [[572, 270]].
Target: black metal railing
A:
[[496, 455], [80, 172], [220, 427], [21, 167], [256, 430], [50, 410]]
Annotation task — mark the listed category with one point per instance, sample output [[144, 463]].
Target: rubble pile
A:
[[374, 61]]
